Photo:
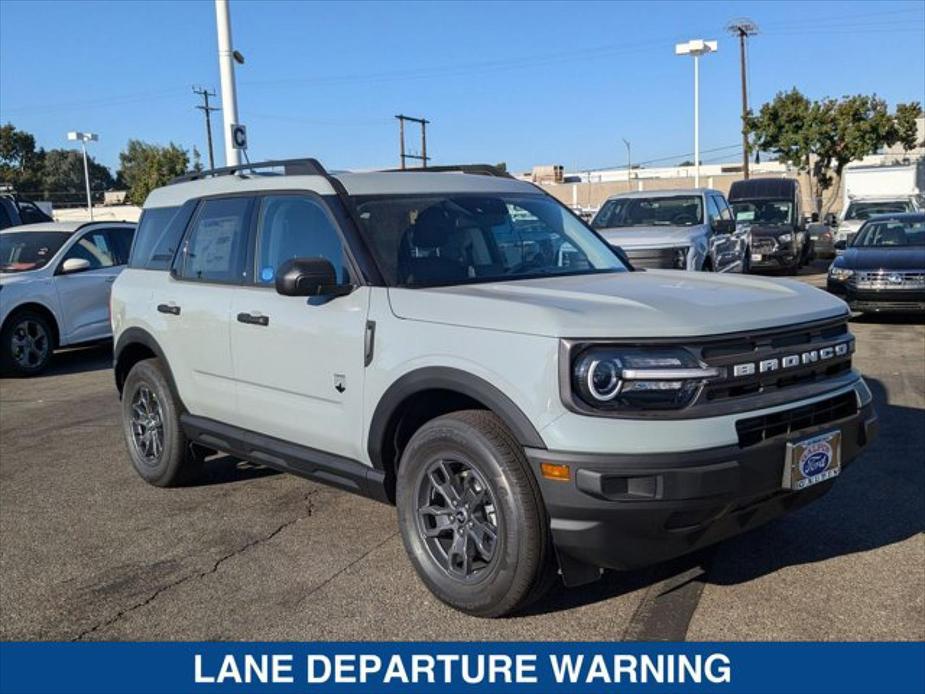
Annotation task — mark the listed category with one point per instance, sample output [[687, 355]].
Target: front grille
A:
[[653, 258], [775, 345], [754, 430], [764, 245], [890, 279]]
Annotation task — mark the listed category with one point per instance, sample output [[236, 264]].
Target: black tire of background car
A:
[[747, 261], [180, 462], [8, 364], [707, 265], [524, 570]]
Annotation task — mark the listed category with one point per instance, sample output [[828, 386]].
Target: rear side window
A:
[[121, 238], [158, 236], [215, 248]]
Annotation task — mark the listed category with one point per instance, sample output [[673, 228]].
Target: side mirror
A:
[[309, 277], [841, 245], [72, 265]]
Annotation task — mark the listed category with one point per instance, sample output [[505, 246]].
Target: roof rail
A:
[[477, 169], [291, 167]]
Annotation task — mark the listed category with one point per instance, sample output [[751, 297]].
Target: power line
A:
[[401, 134]]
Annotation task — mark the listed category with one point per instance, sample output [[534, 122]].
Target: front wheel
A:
[[26, 344], [471, 515], [157, 446]]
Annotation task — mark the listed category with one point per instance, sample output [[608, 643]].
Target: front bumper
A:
[[627, 511], [782, 256], [879, 300]]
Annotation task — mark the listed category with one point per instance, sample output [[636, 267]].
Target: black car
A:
[[884, 267], [772, 208]]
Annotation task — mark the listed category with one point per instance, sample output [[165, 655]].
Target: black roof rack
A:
[[291, 167], [478, 169]]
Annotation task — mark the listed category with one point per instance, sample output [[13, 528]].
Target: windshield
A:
[[676, 211], [429, 240], [891, 233], [28, 250], [866, 210], [764, 211]]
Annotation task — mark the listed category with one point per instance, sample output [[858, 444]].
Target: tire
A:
[[26, 344], [747, 261], [707, 265], [166, 458], [473, 457], [793, 269]]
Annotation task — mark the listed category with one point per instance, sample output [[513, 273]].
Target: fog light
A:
[[554, 471]]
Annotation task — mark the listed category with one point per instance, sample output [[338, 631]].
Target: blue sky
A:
[[522, 82]]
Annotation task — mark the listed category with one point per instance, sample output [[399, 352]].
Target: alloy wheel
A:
[[458, 519], [29, 344], [147, 425]]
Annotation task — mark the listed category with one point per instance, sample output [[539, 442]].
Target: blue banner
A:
[[743, 668]]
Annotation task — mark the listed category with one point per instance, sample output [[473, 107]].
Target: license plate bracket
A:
[[812, 460]]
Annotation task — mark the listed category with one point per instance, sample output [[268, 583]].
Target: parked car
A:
[[674, 229], [822, 238], [55, 280], [526, 409], [772, 209], [859, 211], [16, 210], [884, 267]]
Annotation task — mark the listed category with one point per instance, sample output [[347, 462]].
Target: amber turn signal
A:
[[553, 471]]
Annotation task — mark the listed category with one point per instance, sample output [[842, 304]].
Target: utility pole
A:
[[743, 28], [227, 57], [629, 165], [403, 155], [207, 112]]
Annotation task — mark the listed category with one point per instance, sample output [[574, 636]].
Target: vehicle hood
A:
[[850, 225], [650, 237], [909, 258], [654, 303]]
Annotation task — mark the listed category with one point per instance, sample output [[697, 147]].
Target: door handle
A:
[[172, 309], [254, 319]]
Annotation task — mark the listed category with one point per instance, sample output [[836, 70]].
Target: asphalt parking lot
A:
[[88, 551]]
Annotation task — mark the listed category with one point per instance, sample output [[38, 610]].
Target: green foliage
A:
[[822, 137], [144, 167], [63, 175], [20, 162]]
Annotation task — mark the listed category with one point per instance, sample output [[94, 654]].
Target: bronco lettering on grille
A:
[[790, 361]]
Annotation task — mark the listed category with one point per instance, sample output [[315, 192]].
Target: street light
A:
[[696, 48], [84, 138], [629, 164]]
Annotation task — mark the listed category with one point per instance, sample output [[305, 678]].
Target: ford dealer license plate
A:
[[812, 460], [757, 257]]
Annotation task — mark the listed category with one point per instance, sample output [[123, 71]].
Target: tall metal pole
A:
[[629, 165], [207, 111], [83, 146], [226, 68], [696, 120], [742, 36], [401, 135], [424, 142]]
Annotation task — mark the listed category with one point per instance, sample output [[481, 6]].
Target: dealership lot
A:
[[88, 551]]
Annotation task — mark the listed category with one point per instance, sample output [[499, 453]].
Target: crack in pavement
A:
[[196, 576]]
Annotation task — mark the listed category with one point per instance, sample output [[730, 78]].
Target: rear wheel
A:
[[471, 516], [707, 265], [26, 343], [158, 448]]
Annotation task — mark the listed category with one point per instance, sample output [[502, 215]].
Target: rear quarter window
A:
[[160, 230]]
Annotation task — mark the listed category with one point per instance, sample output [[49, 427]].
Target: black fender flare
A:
[[136, 336], [446, 378]]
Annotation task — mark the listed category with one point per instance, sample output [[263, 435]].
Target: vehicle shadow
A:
[[889, 318], [226, 469], [73, 360], [877, 501]]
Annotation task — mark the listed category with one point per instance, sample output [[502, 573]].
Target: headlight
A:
[[680, 258], [613, 378], [840, 274], [785, 238]]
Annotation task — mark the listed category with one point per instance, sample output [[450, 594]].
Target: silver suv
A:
[[675, 229], [466, 348]]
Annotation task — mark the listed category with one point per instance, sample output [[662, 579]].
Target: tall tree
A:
[[20, 161], [144, 167], [62, 177], [822, 137]]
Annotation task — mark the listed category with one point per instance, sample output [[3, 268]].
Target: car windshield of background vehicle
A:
[[458, 239], [29, 250], [866, 210], [675, 211], [764, 211], [891, 234]]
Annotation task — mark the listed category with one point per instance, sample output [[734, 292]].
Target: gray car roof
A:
[[664, 193], [373, 183], [66, 227]]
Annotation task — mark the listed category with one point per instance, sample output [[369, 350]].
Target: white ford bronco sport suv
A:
[[466, 348]]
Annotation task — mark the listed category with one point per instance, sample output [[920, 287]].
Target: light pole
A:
[[227, 57], [84, 138], [629, 164], [696, 48]]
